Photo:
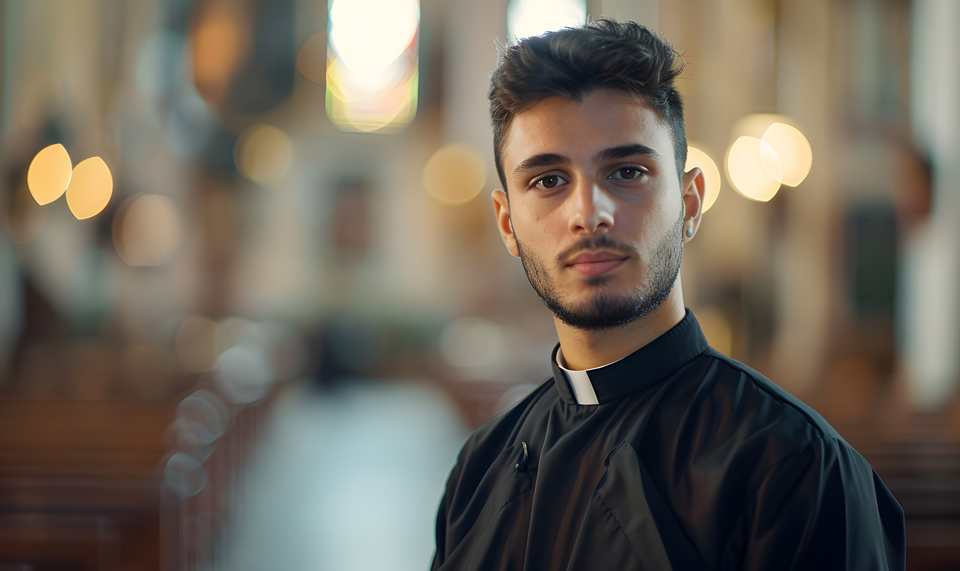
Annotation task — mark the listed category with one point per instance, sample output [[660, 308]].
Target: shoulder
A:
[[753, 418], [771, 402]]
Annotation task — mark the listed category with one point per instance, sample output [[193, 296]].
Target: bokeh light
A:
[[244, 374], [749, 162], [201, 419], [711, 174], [454, 174], [203, 416], [196, 343], [372, 66], [263, 153], [527, 18], [369, 35], [220, 47], [90, 189], [49, 174], [793, 149], [782, 155], [352, 107], [184, 475], [147, 230]]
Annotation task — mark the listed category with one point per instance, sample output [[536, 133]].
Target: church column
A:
[[930, 316]]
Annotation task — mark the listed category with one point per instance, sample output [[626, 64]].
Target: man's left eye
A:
[[626, 173]]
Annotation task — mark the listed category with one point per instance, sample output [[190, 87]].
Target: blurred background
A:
[[252, 297]]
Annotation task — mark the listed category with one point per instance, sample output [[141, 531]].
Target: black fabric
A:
[[690, 461]]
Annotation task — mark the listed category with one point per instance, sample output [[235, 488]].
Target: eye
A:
[[550, 181], [627, 173]]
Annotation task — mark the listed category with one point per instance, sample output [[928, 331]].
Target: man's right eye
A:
[[550, 181]]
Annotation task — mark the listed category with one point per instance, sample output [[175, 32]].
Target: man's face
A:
[[596, 211]]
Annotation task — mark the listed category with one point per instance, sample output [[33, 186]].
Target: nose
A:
[[591, 208]]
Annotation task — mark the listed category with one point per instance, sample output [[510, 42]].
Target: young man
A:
[[647, 449]]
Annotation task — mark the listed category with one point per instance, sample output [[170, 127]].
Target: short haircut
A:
[[604, 54]]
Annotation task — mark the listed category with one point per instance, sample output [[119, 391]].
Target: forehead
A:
[[579, 130]]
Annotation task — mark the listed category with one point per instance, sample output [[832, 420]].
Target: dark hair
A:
[[604, 54]]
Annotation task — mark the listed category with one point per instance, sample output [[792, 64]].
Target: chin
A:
[[596, 290], [611, 282], [598, 281]]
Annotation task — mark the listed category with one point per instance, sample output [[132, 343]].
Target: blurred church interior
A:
[[252, 297]]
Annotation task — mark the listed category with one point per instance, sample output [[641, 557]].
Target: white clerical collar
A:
[[580, 381]]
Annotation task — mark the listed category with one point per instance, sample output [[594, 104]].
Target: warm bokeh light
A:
[[196, 343], [711, 174], [220, 47], [786, 155], [147, 230], [796, 156], [49, 174], [747, 172], [312, 58], [527, 18], [352, 108], [454, 174], [369, 35], [263, 153], [90, 189], [372, 66]]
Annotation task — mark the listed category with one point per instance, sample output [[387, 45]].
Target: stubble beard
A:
[[605, 309]]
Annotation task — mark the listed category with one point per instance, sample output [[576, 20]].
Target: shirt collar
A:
[[644, 367]]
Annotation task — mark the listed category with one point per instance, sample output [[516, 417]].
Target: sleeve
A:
[[442, 519], [824, 508]]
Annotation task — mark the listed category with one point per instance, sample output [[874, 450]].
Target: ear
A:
[[693, 187], [501, 207]]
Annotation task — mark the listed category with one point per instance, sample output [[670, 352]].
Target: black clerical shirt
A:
[[689, 460]]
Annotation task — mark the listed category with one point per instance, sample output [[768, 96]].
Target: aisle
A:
[[345, 480]]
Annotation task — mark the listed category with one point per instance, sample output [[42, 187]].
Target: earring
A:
[[689, 232]]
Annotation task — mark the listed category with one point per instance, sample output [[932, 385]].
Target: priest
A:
[[647, 449]]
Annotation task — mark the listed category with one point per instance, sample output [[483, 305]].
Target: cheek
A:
[[534, 225], [647, 227]]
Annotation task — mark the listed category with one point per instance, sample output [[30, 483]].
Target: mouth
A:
[[596, 263]]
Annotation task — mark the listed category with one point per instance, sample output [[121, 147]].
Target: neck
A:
[[584, 349]]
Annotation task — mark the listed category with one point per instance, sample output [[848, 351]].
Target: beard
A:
[[605, 309]]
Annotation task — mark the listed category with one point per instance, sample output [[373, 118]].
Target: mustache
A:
[[603, 241]]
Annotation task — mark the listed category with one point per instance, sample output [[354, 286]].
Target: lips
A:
[[596, 263]]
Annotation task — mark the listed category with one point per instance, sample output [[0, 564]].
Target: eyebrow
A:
[[624, 151], [552, 159], [538, 161]]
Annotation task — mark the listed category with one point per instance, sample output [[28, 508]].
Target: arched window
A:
[[372, 64]]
